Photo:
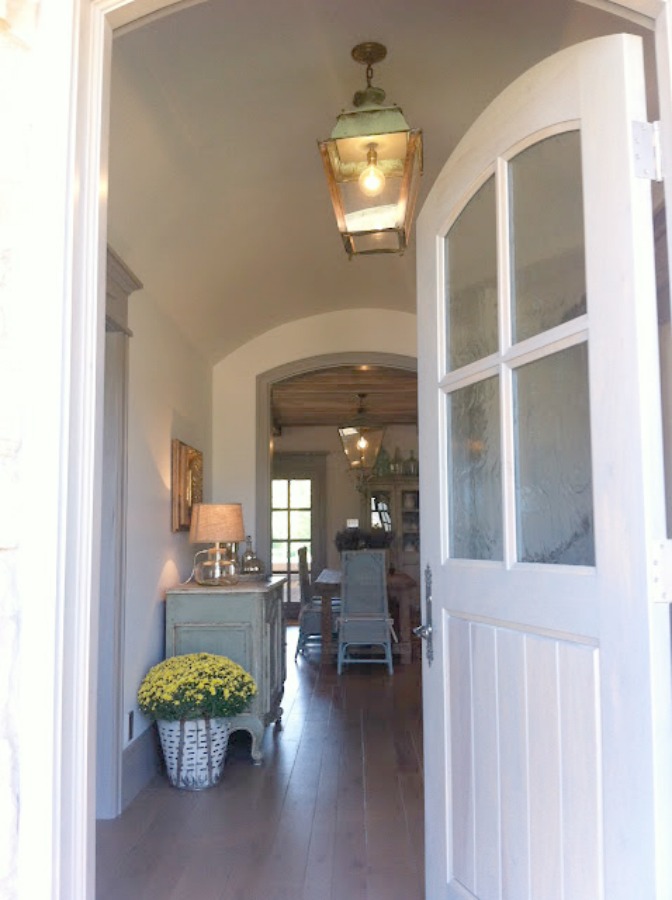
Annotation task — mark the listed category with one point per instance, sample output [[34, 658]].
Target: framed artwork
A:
[[186, 483]]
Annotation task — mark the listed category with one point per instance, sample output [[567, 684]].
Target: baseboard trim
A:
[[140, 762]]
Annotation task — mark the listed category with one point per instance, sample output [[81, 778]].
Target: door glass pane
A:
[[474, 467], [548, 278], [553, 471], [279, 494], [291, 528], [471, 280], [279, 525], [300, 493], [299, 525], [279, 556], [294, 553]]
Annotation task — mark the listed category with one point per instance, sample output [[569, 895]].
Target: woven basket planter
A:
[[194, 751]]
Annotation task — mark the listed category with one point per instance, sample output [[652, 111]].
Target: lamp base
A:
[[222, 581], [218, 567]]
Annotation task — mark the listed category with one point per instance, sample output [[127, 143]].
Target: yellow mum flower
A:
[[195, 685]]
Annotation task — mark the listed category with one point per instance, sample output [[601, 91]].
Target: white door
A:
[[547, 706]]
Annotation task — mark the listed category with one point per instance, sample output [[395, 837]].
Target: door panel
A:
[[520, 684], [542, 494]]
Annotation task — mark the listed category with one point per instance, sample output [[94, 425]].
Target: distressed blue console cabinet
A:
[[244, 622]]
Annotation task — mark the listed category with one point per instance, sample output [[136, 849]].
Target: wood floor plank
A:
[[335, 812], [320, 861]]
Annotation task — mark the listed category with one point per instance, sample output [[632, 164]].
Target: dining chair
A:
[[310, 613], [364, 624]]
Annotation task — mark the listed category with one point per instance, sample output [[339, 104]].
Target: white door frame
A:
[[71, 59], [63, 336], [657, 16]]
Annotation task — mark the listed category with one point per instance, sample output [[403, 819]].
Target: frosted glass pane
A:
[[475, 472], [548, 278], [471, 281], [554, 489]]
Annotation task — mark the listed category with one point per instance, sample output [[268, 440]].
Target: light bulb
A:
[[362, 443], [372, 179]]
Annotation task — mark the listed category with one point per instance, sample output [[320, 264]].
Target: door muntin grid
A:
[[504, 403]]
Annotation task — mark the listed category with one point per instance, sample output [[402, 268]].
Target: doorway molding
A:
[[312, 465], [121, 283], [72, 59]]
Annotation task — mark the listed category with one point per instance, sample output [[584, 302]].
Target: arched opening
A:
[[264, 429]]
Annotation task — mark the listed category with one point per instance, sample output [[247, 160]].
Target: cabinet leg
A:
[[255, 728]]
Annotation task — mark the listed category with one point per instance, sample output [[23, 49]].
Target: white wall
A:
[[342, 498], [234, 385], [169, 397]]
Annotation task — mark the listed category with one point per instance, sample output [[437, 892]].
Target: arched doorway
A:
[[265, 382]]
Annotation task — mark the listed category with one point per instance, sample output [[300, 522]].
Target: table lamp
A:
[[222, 525]]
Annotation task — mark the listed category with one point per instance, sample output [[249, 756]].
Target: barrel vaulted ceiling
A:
[[217, 195]]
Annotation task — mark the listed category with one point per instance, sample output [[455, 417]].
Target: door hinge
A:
[[647, 151], [661, 572]]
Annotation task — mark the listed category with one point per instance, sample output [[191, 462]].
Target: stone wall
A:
[[17, 24]]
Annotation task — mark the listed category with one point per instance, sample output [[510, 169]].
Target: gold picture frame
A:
[[186, 483]]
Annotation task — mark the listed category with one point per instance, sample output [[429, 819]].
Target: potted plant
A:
[[192, 697], [361, 539]]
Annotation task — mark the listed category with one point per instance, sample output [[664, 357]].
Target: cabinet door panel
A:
[[234, 641]]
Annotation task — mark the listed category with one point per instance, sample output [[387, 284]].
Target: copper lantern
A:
[[373, 162]]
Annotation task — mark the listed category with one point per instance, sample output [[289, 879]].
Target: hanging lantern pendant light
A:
[[361, 442], [373, 164]]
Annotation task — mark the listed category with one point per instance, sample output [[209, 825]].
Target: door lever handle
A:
[[423, 631]]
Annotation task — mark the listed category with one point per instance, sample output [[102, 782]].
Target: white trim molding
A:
[[641, 12], [62, 341]]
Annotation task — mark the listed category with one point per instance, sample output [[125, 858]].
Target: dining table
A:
[[401, 592]]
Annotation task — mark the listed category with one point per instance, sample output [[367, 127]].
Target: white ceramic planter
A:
[[194, 751]]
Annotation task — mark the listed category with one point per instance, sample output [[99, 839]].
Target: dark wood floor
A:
[[335, 811]]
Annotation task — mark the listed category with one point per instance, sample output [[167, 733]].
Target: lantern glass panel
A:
[[352, 153], [377, 242]]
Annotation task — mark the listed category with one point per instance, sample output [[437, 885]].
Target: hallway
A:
[[335, 811]]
